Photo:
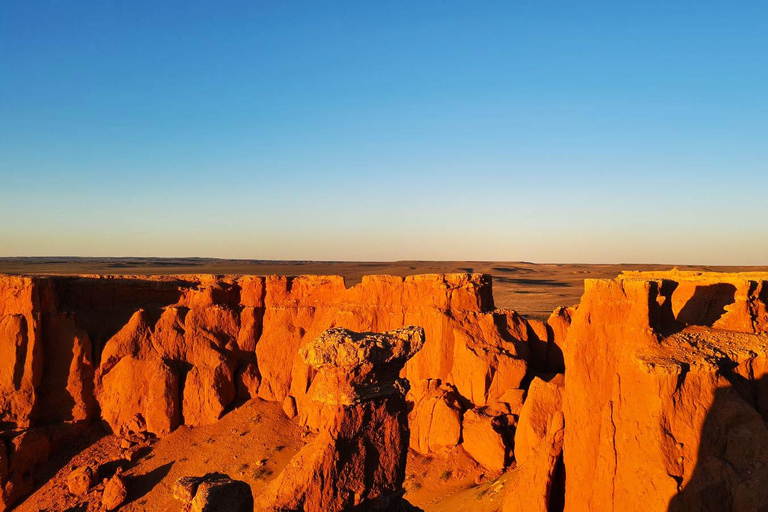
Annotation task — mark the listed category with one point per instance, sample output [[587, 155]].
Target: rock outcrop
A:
[[665, 393], [80, 480], [531, 484], [213, 492], [435, 420], [486, 438], [358, 407], [664, 403], [537, 483], [115, 492], [152, 353], [544, 400]]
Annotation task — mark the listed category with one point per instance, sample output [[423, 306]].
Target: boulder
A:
[[140, 391], [80, 480], [484, 440], [435, 420], [115, 492], [208, 390], [213, 492]]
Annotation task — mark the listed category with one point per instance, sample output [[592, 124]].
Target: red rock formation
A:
[[151, 353], [484, 440], [530, 485], [664, 392], [358, 457], [435, 420], [544, 399], [213, 492]]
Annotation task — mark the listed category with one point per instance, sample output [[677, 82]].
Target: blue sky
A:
[[540, 131]]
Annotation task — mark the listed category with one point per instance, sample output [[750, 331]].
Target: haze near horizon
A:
[[548, 132]]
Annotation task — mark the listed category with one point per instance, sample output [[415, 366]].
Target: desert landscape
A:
[[359, 256], [214, 391]]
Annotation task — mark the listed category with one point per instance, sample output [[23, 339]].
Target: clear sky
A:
[[379, 130]]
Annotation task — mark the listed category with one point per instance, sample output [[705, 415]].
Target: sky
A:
[[589, 132]]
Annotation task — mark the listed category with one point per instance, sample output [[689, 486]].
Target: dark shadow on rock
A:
[[707, 304], [67, 441], [140, 485], [731, 472], [102, 307]]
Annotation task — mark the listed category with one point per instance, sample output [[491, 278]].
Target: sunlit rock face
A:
[[153, 353], [666, 393], [662, 406], [358, 457]]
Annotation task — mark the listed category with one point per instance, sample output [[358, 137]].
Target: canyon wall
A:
[[664, 403], [666, 395], [152, 353]]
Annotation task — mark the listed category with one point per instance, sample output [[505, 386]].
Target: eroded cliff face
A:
[[663, 405], [666, 394], [152, 353]]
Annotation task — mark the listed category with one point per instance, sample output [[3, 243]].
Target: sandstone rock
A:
[[289, 407], [544, 400], [145, 388], [358, 457], [486, 359], [483, 440], [558, 324], [208, 390], [658, 403], [148, 348], [514, 399], [214, 495], [435, 421], [184, 489], [21, 453], [80, 481], [248, 380], [355, 367], [115, 492], [21, 350], [530, 485], [213, 492]]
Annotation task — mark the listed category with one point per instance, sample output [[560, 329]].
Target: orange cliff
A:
[[147, 354], [663, 405], [666, 394]]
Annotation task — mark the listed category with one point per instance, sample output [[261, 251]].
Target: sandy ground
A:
[[531, 289], [254, 442]]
